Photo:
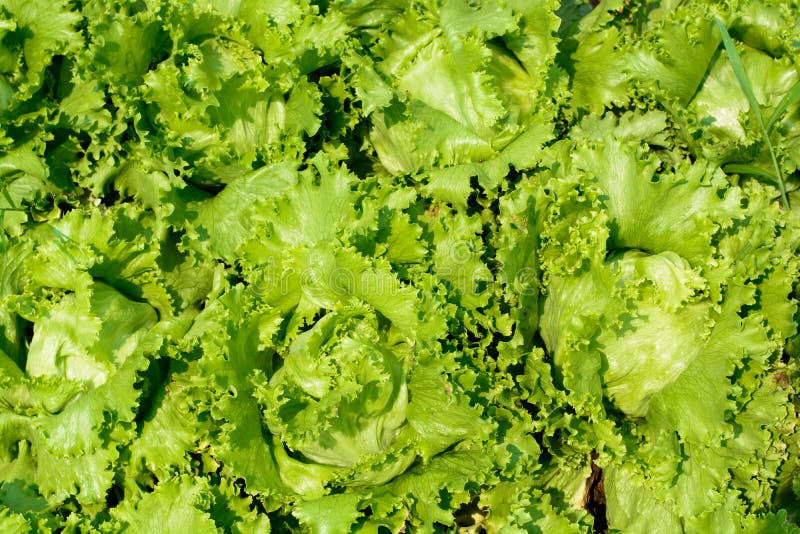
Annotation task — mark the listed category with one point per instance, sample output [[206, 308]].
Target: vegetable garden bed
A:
[[392, 266]]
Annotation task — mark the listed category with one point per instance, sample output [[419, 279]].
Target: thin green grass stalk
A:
[[8, 198], [740, 168], [61, 240], [788, 99], [10, 201], [747, 89]]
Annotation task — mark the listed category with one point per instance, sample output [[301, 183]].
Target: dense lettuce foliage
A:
[[390, 266]]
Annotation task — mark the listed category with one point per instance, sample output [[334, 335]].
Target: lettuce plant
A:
[[388, 266]]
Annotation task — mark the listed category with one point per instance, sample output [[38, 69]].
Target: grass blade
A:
[[747, 89], [8, 198], [738, 69], [738, 168], [788, 99]]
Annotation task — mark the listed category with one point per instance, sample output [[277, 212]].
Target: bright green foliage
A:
[[388, 266], [677, 311]]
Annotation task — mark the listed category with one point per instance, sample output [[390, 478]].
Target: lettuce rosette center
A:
[[340, 396]]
